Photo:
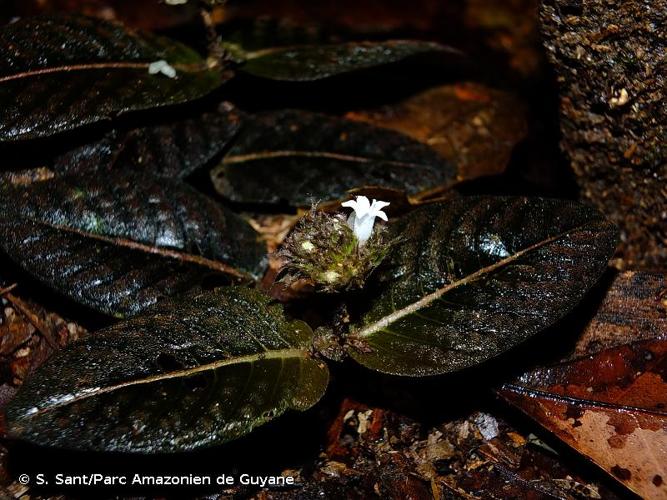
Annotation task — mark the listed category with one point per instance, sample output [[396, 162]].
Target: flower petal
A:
[[363, 228], [381, 215], [379, 205], [351, 220], [361, 206]]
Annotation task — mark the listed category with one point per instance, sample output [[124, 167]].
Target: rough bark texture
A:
[[610, 60]]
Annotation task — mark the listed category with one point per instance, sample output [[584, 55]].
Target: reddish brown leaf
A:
[[472, 126], [608, 400], [28, 336]]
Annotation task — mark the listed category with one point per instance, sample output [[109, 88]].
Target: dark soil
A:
[[610, 58]]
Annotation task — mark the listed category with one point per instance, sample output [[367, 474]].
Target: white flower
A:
[[175, 2], [362, 219], [163, 67]]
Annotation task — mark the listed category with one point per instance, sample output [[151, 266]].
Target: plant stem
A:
[[216, 52]]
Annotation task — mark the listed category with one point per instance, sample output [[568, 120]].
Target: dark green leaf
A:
[[120, 247], [173, 150], [58, 73], [255, 34], [180, 377], [314, 62], [476, 276], [299, 157]]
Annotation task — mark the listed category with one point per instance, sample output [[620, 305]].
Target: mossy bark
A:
[[610, 61]]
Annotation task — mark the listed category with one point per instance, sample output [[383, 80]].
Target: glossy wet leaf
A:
[[120, 247], [608, 400], [62, 72], [476, 276], [253, 34], [297, 157], [314, 62], [173, 150], [192, 373]]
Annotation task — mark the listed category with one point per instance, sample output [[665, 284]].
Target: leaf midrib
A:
[[89, 66], [268, 155], [560, 398], [281, 354], [425, 301], [424, 46]]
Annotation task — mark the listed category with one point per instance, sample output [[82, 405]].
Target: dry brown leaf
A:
[[273, 228], [473, 126], [609, 399], [29, 334]]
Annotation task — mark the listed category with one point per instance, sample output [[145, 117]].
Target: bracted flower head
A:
[[324, 250], [362, 219]]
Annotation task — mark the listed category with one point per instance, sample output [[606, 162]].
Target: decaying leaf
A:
[[192, 373], [297, 157], [273, 228], [472, 126], [62, 72], [29, 334], [315, 62], [121, 247], [608, 400], [474, 277]]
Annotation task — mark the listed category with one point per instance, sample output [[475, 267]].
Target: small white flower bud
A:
[[163, 67]]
